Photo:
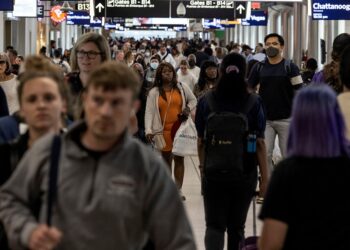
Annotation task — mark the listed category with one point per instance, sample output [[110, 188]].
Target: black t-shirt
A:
[[276, 88], [76, 137], [311, 195]]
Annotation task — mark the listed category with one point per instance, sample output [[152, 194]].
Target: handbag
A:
[[159, 141], [185, 141], [158, 138]]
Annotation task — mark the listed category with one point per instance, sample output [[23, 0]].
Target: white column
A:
[[30, 36], [63, 34], [347, 27], [2, 31]]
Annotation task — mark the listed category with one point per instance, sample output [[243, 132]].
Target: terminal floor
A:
[[194, 203]]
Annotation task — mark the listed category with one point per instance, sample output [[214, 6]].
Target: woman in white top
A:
[[8, 83], [185, 76]]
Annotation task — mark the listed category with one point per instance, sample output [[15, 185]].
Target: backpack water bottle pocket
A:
[[251, 143]]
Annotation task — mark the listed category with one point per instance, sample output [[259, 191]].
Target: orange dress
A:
[[175, 108]]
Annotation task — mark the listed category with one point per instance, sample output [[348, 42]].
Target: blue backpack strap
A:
[[287, 67], [260, 66], [53, 176]]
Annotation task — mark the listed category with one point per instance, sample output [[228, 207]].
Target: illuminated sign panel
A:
[[25, 8], [219, 23], [331, 9], [137, 8], [57, 15], [78, 18], [223, 9], [257, 18]]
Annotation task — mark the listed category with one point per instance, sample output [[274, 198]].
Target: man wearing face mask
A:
[[193, 68], [151, 70], [278, 79]]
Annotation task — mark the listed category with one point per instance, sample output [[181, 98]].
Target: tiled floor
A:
[[194, 203]]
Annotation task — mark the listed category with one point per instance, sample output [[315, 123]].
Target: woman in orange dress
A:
[[167, 103]]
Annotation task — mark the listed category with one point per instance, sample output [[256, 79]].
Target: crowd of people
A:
[[110, 109]]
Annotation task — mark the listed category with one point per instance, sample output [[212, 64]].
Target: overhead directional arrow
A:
[[100, 7], [240, 9]]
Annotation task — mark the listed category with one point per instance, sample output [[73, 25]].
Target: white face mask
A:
[[154, 65], [147, 53]]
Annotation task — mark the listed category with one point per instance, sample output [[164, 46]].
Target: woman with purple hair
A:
[[306, 205]]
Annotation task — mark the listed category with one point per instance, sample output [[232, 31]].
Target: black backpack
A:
[[229, 146]]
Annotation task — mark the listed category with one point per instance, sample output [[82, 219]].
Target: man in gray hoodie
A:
[[112, 191]]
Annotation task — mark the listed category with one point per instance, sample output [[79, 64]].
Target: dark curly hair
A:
[[158, 80], [339, 44], [202, 75]]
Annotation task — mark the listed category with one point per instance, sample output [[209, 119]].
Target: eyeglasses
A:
[[2, 62], [90, 54]]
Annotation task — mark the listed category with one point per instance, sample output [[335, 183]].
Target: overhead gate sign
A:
[[331, 10], [137, 8], [224, 9]]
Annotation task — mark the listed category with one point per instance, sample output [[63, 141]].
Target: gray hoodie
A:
[[116, 202]]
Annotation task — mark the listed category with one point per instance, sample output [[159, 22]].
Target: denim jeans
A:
[[273, 128]]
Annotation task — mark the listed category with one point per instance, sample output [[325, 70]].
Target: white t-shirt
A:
[[168, 58], [63, 64], [188, 79], [195, 71], [10, 89]]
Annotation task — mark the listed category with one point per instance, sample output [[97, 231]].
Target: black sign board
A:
[[40, 11], [100, 8], [223, 9], [137, 8], [240, 10]]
